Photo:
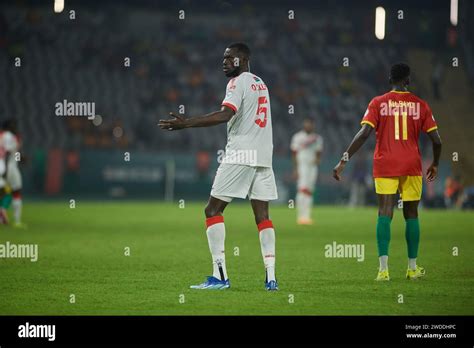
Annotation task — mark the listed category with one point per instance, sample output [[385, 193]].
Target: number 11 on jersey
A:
[[404, 125]]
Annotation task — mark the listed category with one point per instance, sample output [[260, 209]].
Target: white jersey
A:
[[306, 146], [249, 131], [9, 143]]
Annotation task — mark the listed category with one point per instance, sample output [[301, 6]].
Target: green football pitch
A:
[[84, 252]]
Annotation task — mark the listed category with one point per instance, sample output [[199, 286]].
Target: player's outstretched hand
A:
[[432, 173], [338, 169], [177, 122]]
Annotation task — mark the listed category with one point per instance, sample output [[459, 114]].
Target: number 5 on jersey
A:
[[262, 109]]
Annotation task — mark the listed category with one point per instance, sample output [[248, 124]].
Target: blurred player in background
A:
[[10, 143], [306, 147], [398, 118], [246, 169]]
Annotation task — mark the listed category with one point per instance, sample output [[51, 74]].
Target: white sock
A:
[[383, 260], [412, 264], [300, 204], [309, 205], [16, 204], [304, 202], [267, 244], [216, 238]]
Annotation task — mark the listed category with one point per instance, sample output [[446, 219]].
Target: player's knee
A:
[[410, 210], [211, 211], [410, 213], [410, 216], [261, 216], [386, 211]]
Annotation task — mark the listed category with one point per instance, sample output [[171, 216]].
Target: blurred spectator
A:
[[359, 173], [203, 161], [453, 192], [436, 76], [452, 37], [467, 198]]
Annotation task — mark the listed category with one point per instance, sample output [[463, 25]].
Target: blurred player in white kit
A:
[[10, 146], [306, 147]]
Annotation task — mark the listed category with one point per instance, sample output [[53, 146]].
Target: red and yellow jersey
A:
[[398, 118]]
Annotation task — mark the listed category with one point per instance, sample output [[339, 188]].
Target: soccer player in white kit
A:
[[10, 144], [245, 169], [306, 147]]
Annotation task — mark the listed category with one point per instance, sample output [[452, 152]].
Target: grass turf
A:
[[81, 252]]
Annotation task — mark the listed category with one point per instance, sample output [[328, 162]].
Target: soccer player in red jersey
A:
[[398, 117]]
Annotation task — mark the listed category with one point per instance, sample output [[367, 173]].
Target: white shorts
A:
[[239, 181], [307, 176], [14, 177]]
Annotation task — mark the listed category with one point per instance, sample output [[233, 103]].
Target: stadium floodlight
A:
[[454, 12], [58, 6], [380, 23]]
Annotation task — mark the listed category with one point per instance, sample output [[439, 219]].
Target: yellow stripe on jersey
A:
[[401, 92], [369, 123], [432, 129], [397, 126], [404, 125]]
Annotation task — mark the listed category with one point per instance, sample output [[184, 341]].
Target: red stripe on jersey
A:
[[264, 225], [232, 106], [214, 220]]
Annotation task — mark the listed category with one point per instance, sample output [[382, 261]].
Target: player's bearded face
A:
[[231, 64], [308, 127], [229, 69], [231, 72]]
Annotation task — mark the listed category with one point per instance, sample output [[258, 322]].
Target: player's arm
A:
[[294, 147], [208, 120], [317, 159], [355, 145], [23, 158], [319, 151], [8, 147], [294, 160], [432, 171]]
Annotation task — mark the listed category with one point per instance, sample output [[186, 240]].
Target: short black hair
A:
[[241, 47], [399, 72]]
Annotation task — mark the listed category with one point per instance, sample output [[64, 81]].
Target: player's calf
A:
[[215, 232], [267, 244]]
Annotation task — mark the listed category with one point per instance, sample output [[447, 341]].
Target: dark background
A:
[[177, 62]]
